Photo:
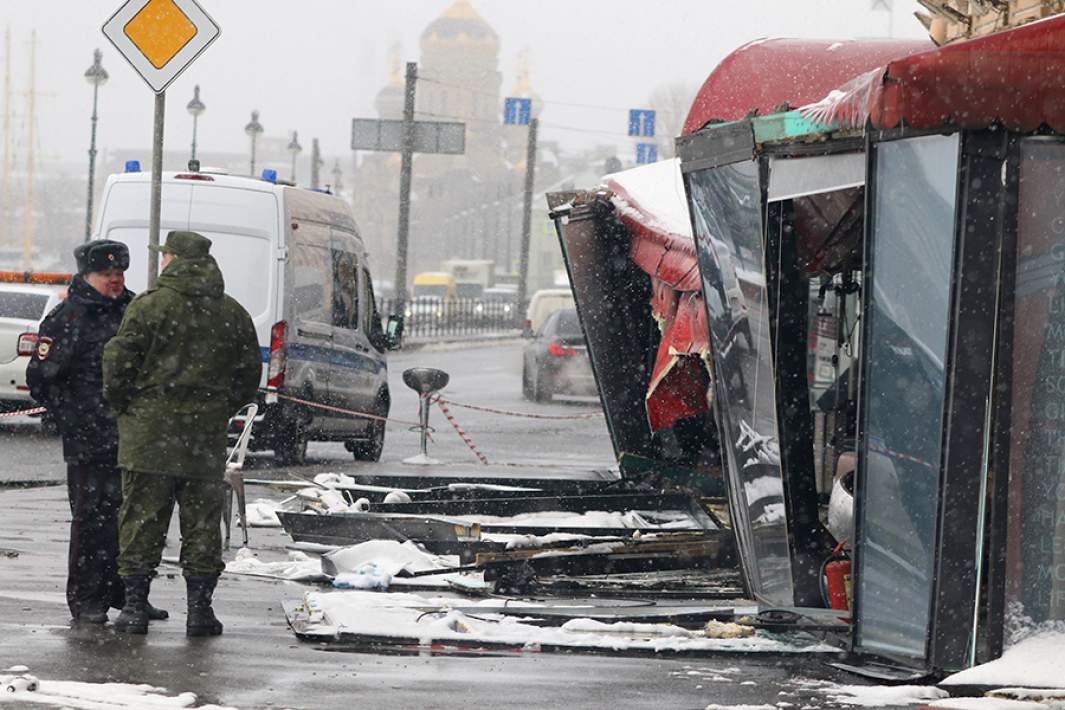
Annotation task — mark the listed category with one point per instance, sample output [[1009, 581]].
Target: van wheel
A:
[[370, 448], [291, 447]]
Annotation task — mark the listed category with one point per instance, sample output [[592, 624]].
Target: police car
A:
[[23, 304]]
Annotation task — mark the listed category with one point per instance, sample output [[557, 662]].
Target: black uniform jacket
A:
[[64, 373]]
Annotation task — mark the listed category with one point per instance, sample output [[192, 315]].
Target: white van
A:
[[294, 259], [542, 304]]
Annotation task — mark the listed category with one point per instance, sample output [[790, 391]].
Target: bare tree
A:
[[671, 103]]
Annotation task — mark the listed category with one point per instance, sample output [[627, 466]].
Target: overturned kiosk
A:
[[865, 304]]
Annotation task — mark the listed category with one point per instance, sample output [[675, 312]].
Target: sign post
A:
[[160, 39], [518, 112], [407, 137]]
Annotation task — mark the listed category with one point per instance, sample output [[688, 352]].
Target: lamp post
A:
[[195, 108], [337, 175], [294, 147], [253, 129], [97, 76]]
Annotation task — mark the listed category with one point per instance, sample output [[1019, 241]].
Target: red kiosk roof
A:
[[763, 74], [1015, 78]]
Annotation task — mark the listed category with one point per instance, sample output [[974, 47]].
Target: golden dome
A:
[[460, 25]]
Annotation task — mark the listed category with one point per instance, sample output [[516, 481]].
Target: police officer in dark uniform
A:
[[64, 375]]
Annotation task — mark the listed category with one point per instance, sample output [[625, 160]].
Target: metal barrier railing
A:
[[427, 317]]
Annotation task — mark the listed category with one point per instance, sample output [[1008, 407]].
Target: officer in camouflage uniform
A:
[[186, 358], [64, 375]]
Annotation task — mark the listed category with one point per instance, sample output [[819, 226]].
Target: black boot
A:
[[154, 613], [134, 616], [92, 612], [201, 620]]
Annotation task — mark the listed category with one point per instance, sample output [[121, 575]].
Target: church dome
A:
[[460, 25]]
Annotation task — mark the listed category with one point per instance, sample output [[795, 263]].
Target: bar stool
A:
[[426, 381]]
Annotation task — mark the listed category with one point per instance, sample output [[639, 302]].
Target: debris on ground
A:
[[20, 688]]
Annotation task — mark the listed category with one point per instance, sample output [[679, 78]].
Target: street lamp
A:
[[337, 174], [253, 129], [195, 108], [294, 147], [97, 76]]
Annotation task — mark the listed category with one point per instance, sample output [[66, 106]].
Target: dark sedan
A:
[[556, 360]]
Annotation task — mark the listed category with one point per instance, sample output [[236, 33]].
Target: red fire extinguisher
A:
[[837, 579]]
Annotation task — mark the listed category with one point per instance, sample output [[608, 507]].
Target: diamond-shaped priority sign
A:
[[160, 38]]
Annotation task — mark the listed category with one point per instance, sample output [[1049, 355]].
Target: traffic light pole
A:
[[526, 223], [157, 188]]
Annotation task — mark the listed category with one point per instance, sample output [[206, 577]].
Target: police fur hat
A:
[[101, 255], [188, 245]]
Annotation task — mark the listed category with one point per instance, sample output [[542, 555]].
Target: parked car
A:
[[542, 304], [22, 307], [556, 360], [294, 259]]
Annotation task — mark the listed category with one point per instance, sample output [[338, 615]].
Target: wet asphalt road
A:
[[258, 663], [488, 375]]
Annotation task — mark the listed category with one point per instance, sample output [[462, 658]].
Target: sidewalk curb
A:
[[448, 342]]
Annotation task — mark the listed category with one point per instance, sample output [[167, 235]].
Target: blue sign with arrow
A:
[[642, 123], [646, 153], [517, 112]]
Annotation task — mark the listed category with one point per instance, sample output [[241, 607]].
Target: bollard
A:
[[426, 381]]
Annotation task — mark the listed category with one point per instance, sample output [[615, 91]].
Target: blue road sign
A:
[[642, 123], [646, 153], [517, 112]]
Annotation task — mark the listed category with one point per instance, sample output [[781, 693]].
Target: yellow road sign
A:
[[160, 38]]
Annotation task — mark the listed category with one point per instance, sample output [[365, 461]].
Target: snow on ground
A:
[[988, 704], [878, 696], [430, 619], [664, 519], [262, 513], [93, 696], [299, 567], [1035, 662], [374, 564]]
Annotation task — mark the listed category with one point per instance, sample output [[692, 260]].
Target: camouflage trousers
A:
[[147, 504]]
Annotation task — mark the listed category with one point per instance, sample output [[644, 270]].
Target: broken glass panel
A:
[[726, 205], [909, 310]]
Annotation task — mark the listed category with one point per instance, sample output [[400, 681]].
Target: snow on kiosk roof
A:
[[763, 74]]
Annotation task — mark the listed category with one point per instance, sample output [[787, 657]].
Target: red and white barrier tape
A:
[[341, 410], [442, 403], [526, 415], [24, 412]]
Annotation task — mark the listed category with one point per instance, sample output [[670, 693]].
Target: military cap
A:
[[101, 255], [187, 245]]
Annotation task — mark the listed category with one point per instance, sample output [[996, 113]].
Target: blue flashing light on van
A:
[[133, 166], [270, 175]]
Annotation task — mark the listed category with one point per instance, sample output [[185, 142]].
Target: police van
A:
[[294, 259]]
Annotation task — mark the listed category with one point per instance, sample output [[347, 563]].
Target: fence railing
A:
[[429, 317]]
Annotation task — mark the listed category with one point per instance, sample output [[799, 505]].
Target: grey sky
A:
[[315, 64]]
